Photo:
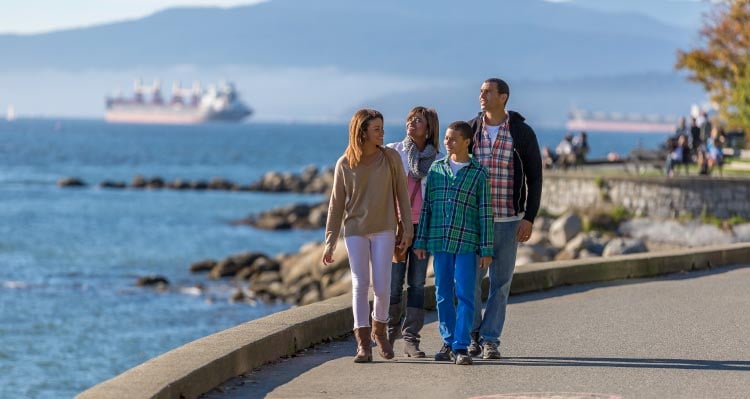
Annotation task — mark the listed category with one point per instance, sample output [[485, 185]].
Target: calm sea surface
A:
[[70, 314]]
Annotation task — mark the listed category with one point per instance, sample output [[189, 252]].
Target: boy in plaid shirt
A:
[[455, 225]]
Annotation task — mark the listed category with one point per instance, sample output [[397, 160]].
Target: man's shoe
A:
[[444, 354], [475, 349], [461, 357], [489, 350]]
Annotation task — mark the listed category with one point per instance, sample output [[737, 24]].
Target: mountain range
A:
[[445, 45]]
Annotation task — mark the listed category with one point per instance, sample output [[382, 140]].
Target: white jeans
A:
[[378, 248]]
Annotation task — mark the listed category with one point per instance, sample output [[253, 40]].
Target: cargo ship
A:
[[187, 106], [617, 122]]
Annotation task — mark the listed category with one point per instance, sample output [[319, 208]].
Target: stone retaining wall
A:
[[197, 367], [648, 196]]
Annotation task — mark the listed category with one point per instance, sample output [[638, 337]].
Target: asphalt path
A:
[[679, 336]]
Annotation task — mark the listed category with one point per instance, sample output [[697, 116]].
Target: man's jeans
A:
[[500, 273], [455, 273]]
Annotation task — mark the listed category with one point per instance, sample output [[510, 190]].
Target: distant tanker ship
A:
[[615, 122], [187, 106]]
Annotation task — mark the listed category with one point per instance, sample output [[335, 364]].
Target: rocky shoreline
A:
[[311, 180], [301, 279]]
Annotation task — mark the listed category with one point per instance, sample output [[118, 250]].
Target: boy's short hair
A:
[[463, 128]]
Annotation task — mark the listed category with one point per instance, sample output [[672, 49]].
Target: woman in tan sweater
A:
[[366, 180]]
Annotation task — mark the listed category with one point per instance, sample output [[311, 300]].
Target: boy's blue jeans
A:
[[501, 273], [455, 273]]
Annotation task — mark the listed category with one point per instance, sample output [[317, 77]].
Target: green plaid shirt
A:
[[457, 211]]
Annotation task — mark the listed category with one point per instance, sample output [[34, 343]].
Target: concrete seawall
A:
[[652, 196], [199, 366]]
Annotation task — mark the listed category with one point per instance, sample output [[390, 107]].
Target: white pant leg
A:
[[381, 250], [361, 249]]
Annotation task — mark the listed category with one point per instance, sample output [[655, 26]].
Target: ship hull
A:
[[619, 126], [170, 116]]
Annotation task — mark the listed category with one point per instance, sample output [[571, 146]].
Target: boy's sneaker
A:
[[444, 354], [461, 356], [475, 349], [489, 350]]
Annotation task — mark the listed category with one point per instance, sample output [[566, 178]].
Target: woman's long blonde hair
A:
[[433, 125], [358, 134]]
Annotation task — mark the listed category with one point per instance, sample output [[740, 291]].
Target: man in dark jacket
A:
[[508, 148]]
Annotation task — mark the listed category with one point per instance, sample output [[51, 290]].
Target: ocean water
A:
[[70, 313]]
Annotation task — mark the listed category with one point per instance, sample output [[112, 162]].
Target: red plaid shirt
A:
[[497, 157]]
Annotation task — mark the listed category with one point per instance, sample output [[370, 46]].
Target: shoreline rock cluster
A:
[[310, 181], [300, 278], [295, 216], [295, 278]]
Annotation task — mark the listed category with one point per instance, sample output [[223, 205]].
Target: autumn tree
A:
[[722, 62]]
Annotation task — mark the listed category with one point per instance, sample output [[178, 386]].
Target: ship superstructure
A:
[[186, 106]]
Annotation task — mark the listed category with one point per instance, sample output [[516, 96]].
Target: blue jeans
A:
[[414, 270], [501, 273], [455, 273]]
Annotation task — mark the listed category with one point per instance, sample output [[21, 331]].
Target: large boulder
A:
[[741, 232], [70, 182], [202, 266], [564, 229], [113, 184], [218, 183], [138, 182], [152, 281], [232, 265], [624, 246]]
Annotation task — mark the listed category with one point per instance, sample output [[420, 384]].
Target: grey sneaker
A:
[[444, 354], [489, 350], [461, 357], [475, 349]]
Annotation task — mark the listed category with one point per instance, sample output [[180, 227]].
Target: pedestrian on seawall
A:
[[365, 184], [507, 146], [418, 150]]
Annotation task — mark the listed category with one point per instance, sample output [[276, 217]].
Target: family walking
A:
[[469, 208]]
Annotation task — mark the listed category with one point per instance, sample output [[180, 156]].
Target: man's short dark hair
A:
[[501, 85], [462, 128]]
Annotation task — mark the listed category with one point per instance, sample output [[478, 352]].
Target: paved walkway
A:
[[681, 336]]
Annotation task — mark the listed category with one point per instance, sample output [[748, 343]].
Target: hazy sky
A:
[[32, 16]]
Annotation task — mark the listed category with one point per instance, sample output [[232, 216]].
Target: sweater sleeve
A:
[[402, 192], [335, 208]]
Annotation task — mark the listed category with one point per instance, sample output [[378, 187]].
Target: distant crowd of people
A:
[[571, 151], [701, 143]]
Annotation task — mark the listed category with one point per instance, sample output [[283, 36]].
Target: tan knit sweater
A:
[[363, 198]]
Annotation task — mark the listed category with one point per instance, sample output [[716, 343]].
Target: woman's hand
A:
[[485, 261], [403, 245], [328, 258], [421, 253]]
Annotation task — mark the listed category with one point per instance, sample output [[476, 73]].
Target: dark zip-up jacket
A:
[[527, 163]]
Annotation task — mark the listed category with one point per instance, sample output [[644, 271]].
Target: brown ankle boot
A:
[[381, 340], [364, 345]]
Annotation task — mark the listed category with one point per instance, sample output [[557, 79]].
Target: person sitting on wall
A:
[[580, 148], [565, 154], [549, 158], [677, 152]]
